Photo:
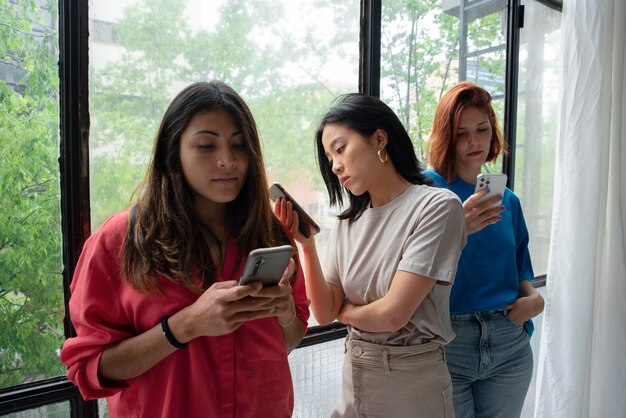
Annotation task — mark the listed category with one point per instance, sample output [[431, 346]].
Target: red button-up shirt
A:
[[241, 374]]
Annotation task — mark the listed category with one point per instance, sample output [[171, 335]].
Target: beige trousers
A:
[[381, 381]]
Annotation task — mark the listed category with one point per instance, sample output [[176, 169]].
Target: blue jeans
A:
[[490, 363]]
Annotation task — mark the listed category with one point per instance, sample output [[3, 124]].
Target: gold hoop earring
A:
[[380, 157]]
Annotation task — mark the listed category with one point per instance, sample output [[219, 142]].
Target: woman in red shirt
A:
[[163, 329]]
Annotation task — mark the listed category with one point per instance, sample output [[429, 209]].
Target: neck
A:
[[467, 174], [213, 217], [390, 186]]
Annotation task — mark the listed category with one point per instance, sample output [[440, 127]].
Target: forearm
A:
[[134, 356], [374, 317], [393, 311], [324, 301], [293, 332], [526, 288]]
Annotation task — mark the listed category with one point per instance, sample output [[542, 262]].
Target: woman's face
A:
[[351, 155], [473, 140], [213, 157]]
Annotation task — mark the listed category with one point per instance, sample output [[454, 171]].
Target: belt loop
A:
[[386, 360], [505, 312]]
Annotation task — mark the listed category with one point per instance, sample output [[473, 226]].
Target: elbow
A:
[[394, 324], [324, 319], [393, 321]]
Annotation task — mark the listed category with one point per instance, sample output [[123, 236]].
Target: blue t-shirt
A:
[[494, 259]]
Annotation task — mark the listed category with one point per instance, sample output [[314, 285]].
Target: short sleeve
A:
[[330, 265], [434, 246]]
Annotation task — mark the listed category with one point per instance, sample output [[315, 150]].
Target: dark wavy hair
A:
[[366, 114], [443, 138], [164, 234]]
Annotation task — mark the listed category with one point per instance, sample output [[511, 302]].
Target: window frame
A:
[[74, 167]]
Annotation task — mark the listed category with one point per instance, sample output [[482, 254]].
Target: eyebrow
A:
[[480, 124], [215, 134]]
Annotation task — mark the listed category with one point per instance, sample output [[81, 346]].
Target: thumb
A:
[[223, 285]]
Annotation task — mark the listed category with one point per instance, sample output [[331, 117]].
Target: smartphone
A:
[[306, 224], [495, 182], [266, 265]]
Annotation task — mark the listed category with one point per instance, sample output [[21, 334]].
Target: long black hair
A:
[[365, 114]]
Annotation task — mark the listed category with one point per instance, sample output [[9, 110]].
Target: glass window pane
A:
[[56, 410], [428, 46], [538, 110], [287, 59], [31, 283], [316, 373]]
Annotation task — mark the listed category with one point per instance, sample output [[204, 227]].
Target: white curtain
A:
[[582, 356]]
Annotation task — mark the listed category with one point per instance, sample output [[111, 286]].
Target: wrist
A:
[[308, 245], [286, 319], [180, 328], [169, 335]]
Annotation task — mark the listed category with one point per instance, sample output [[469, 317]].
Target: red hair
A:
[[442, 142]]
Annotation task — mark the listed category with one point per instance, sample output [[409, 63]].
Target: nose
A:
[[472, 138], [337, 167], [226, 160]]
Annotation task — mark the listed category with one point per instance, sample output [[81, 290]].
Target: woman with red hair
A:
[[492, 300]]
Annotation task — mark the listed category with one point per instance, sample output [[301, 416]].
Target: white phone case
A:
[[495, 182]]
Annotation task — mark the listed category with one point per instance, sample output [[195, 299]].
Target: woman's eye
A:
[[239, 145], [340, 149], [206, 146]]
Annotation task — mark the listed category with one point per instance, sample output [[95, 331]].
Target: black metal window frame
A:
[[74, 168]]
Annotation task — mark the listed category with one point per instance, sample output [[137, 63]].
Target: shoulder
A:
[[510, 198], [112, 231], [437, 196]]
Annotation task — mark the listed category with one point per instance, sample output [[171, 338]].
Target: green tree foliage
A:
[[248, 48], [31, 293]]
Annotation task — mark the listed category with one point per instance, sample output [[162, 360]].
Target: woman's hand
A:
[[278, 299], [479, 215], [528, 305], [525, 308], [224, 306], [281, 304], [221, 309], [283, 209]]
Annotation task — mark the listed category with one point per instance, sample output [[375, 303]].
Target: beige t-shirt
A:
[[421, 231]]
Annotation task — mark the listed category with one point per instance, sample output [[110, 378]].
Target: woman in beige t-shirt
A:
[[389, 264]]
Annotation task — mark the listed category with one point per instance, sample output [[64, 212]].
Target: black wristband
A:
[[168, 334]]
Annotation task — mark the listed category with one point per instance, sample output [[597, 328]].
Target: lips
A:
[[225, 179], [475, 153], [344, 180]]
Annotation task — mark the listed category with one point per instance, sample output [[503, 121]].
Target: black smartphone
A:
[[266, 265], [306, 224]]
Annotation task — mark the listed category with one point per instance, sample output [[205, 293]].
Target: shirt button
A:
[[357, 351]]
